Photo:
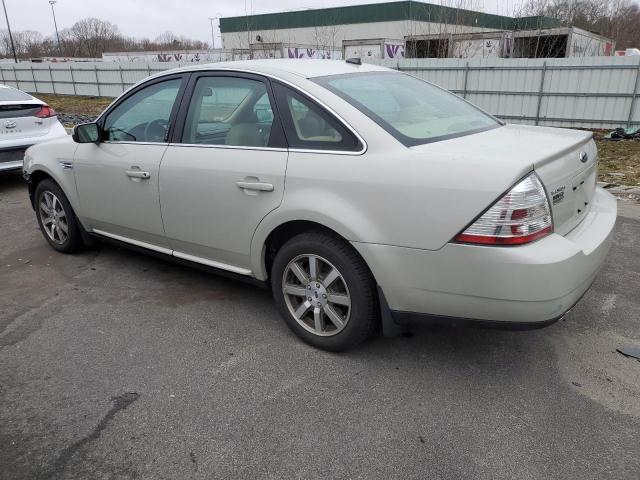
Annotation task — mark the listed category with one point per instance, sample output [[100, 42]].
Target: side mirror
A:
[[86, 133]]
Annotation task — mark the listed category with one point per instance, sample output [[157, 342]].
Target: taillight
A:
[[521, 216], [45, 112]]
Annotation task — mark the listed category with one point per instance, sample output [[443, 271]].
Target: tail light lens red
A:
[[521, 216], [45, 112]]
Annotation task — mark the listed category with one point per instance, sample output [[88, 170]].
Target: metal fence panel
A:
[[588, 92]]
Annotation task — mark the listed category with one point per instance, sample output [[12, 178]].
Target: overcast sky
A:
[[149, 18]]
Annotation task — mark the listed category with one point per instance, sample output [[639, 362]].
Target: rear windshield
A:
[[16, 110], [413, 111], [8, 94]]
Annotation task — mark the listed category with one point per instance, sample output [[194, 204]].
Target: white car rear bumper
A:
[[12, 150], [530, 284]]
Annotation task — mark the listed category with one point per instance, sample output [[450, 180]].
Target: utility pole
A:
[[213, 41], [13, 47], [52, 3]]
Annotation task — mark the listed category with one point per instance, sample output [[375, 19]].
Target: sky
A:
[[149, 18]]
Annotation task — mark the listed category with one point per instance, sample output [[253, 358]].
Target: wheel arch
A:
[[267, 241], [34, 179], [66, 184]]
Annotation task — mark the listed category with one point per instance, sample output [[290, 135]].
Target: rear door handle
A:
[[258, 186], [137, 174]]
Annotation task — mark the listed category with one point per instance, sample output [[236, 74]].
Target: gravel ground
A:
[[116, 365]]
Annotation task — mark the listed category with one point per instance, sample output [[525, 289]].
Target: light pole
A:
[[13, 47], [52, 3], [213, 41]]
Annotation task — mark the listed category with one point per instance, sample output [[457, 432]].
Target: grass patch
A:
[[619, 160], [77, 104]]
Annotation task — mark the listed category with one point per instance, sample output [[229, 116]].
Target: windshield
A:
[[411, 110]]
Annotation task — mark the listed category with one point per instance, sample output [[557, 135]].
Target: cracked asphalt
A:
[[114, 365]]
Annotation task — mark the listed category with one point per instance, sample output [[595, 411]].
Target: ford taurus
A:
[[362, 196]]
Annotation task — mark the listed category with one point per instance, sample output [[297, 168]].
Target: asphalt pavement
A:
[[115, 365]]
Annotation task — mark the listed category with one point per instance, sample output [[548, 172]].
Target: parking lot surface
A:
[[118, 365]]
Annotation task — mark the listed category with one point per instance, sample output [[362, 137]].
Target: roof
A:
[[382, 12], [306, 68]]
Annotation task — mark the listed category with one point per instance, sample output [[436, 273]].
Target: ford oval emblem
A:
[[583, 157], [9, 124]]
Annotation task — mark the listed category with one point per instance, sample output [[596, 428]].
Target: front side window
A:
[[411, 110], [229, 111], [308, 126], [144, 116]]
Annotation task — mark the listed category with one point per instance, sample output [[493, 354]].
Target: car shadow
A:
[[179, 285], [11, 180]]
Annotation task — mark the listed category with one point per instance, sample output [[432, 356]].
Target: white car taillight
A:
[[521, 216], [45, 112]]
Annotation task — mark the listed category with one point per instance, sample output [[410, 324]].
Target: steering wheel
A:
[[156, 130]]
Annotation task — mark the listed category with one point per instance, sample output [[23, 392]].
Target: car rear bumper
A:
[[12, 150], [13, 165], [530, 285], [12, 158]]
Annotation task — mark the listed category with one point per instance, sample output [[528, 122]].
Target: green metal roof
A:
[[382, 12]]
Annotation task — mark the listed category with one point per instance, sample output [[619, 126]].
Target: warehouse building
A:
[[326, 28], [401, 29]]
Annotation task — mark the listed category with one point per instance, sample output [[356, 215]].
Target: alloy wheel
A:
[[53, 217], [316, 295]]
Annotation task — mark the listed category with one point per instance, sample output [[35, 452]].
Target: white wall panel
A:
[[590, 92]]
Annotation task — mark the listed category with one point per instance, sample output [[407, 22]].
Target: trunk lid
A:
[[18, 120], [570, 179], [504, 155], [566, 162]]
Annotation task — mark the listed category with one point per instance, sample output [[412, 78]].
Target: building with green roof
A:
[[328, 27]]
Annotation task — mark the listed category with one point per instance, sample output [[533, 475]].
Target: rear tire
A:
[[324, 291], [56, 218]]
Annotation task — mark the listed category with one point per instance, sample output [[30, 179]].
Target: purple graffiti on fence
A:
[[394, 51], [296, 52], [167, 57]]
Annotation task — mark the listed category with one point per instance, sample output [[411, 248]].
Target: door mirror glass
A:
[[86, 133]]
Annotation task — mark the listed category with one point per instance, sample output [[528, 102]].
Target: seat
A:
[[246, 135]]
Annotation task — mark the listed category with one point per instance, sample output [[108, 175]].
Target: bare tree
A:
[[93, 36], [616, 19], [28, 43]]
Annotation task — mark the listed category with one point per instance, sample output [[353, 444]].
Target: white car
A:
[[24, 121], [362, 196]]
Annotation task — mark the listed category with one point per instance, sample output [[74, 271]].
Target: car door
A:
[[224, 172], [117, 177]]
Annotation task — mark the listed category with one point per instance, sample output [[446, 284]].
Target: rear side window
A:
[[309, 126], [231, 111]]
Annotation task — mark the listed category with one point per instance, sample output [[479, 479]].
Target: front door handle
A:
[[137, 174], [258, 186]]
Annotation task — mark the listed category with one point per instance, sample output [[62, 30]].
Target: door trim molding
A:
[[173, 253], [138, 243], [212, 263]]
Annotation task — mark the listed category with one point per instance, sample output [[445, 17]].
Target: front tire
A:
[[324, 291], [56, 218]]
